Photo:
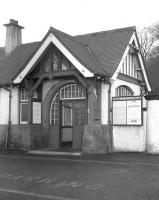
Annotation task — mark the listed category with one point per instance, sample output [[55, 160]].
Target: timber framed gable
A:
[[50, 38], [131, 65]]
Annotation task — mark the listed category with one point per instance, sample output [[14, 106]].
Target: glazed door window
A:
[[66, 114]]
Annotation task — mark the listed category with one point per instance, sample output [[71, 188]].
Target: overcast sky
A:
[[75, 16]]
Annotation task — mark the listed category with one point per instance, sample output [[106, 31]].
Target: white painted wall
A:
[[153, 127], [4, 106], [104, 103], [135, 88], [15, 106], [129, 138]]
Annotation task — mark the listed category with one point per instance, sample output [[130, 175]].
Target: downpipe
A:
[[9, 116], [109, 116]]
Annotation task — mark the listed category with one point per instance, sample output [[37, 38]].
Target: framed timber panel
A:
[[127, 111]]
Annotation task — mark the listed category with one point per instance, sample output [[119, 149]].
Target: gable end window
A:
[[23, 106]]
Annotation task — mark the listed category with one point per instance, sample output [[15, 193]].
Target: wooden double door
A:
[[72, 118]]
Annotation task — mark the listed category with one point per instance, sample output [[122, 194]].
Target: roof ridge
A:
[[22, 44], [107, 31], [94, 57], [57, 30], [29, 43], [69, 36]]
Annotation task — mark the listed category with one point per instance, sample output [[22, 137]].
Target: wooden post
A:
[[30, 108]]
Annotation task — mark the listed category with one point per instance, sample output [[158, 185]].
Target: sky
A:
[[75, 16]]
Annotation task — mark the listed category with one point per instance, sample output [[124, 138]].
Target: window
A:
[[54, 111], [56, 61], [23, 106], [24, 94], [65, 63], [123, 91], [72, 91]]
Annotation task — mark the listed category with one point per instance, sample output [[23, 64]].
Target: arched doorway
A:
[[68, 115]]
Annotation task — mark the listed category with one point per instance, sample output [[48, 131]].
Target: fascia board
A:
[[133, 38], [62, 48]]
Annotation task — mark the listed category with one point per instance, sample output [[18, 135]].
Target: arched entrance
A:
[[68, 115]]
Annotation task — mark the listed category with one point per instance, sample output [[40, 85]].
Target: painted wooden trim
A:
[[123, 58], [128, 79], [133, 38], [60, 74], [142, 65], [62, 48]]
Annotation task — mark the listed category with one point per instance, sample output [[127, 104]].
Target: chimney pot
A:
[[13, 35]]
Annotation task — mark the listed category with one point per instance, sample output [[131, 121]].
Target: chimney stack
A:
[[13, 35]]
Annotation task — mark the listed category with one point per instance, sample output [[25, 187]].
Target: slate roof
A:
[[11, 64], [99, 52], [108, 46]]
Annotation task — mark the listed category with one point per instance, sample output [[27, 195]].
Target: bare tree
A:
[[147, 42]]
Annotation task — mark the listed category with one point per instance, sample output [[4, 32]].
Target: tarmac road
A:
[[39, 178]]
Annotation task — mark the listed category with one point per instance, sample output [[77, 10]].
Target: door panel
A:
[[66, 125], [54, 137], [79, 120], [54, 125]]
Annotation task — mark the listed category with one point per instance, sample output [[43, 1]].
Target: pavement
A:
[[116, 157], [116, 176]]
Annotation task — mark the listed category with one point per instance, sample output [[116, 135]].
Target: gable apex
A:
[[134, 40], [51, 38]]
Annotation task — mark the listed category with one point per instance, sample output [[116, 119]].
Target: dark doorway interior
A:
[[66, 137], [73, 119]]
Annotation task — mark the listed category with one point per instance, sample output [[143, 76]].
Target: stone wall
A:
[[38, 137], [96, 139], [23, 137]]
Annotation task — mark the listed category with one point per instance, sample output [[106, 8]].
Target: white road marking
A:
[[31, 178], [54, 182], [52, 197]]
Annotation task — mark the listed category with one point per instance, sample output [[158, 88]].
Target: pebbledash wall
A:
[[152, 138]]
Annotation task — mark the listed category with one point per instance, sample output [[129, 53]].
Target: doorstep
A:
[[43, 152]]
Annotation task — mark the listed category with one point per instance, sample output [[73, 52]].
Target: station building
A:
[[73, 93]]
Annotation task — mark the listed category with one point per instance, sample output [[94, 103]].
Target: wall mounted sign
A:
[[127, 110], [36, 112]]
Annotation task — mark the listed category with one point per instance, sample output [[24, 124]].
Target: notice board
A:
[[127, 110], [36, 112]]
